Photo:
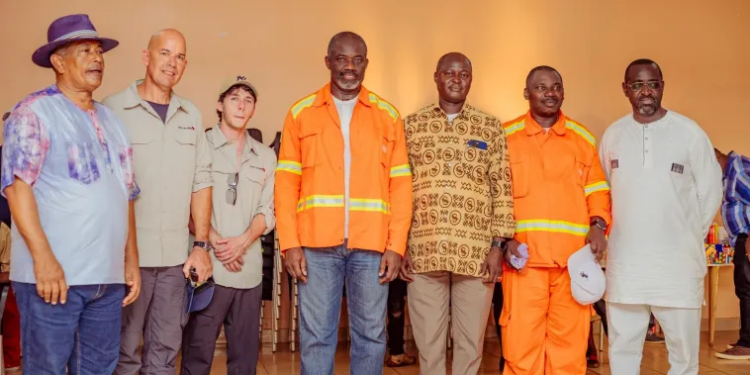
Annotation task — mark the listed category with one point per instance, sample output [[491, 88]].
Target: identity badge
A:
[[477, 144], [678, 168]]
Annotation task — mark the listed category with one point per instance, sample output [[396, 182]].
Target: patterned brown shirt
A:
[[462, 189]]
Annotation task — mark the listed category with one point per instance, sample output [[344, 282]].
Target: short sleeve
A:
[[25, 148]]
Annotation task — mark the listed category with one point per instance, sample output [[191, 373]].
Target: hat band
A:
[[78, 34]]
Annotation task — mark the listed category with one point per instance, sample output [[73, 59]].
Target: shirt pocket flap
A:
[[141, 135], [185, 137], [223, 167], [256, 174]]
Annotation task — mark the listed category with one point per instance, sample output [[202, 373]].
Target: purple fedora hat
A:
[[65, 30]]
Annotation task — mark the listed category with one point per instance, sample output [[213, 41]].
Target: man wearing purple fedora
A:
[[67, 172]]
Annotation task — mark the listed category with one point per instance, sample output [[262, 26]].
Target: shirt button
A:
[[647, 138], [646, 151]]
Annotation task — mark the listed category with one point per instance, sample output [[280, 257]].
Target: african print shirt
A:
[[462, 189]]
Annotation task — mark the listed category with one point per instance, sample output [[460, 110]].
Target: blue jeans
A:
[[83, 334], [320, 310]]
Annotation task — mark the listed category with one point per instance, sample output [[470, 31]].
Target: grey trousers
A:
[[158, 315], [238, 310]]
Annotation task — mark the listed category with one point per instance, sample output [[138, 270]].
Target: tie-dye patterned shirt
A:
[[80, 166]]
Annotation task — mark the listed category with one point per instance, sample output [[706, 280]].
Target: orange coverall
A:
[[309, 189], [558, 185]]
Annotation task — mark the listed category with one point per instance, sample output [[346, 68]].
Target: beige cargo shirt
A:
[[254, 197], [172, 161]]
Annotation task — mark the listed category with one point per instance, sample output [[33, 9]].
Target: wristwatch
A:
[[205, 245], [499, 244], [599, 223]]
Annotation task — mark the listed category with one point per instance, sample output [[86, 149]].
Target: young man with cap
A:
[[68, 175], [666, 191], [561, 203], [173, 162], [242, 212]]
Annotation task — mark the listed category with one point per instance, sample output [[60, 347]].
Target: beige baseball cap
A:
[[237, 80]]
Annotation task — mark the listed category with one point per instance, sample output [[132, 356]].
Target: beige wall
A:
[[701, 46]]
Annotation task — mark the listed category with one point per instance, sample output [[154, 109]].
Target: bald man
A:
[[173, 160], [463, 215], [340, 223]]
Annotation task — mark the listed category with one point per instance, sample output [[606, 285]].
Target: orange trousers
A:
[[545, 331]]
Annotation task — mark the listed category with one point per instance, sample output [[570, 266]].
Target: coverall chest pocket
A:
[[581, 171], [385, 148], [310, 139], [519, 171]]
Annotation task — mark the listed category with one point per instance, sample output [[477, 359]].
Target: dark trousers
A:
[[238, 310], [497, 309], [601, 309], [396, 304], [742, 289], [158, 315]]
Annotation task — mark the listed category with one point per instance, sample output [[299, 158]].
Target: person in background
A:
[[463, 216], [343, 207], [11, 323], [68, 176], [396, 322], [666, 191], [735, 213], [561, 203], [173, 165], [241, 214]]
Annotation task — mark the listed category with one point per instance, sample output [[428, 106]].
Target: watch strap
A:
[[205, 245], [599, 223]]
